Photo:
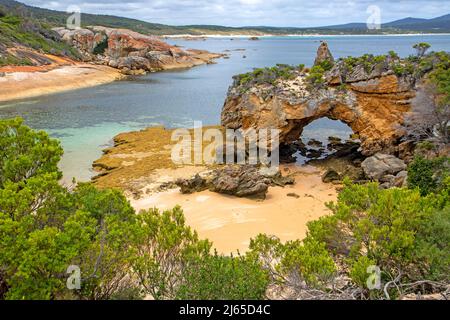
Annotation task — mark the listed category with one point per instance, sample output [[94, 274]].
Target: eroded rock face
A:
[[372, 102], [131, 51]]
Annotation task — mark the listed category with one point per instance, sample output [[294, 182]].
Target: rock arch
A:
[[373, 107]]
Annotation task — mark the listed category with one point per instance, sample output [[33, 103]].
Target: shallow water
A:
[[86, 120]]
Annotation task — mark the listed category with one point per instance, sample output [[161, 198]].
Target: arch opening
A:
[[320, 139]]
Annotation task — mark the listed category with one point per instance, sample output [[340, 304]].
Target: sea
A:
[[86, 120]]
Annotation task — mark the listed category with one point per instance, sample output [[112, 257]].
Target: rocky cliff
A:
[[131, 52], [370, 94]]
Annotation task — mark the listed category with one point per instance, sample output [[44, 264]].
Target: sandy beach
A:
[[25, 83], [231, 222]]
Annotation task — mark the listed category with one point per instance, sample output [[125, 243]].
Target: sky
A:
[[278, 13]]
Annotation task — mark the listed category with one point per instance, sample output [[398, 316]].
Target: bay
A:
[[86, 120]]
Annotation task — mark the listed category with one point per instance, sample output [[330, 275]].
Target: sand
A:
[[26, 83], [231, 222]]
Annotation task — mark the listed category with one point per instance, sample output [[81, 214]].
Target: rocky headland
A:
[[365, 93], [131, 52], [98, 55]]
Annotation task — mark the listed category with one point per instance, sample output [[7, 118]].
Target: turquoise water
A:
[[86, 120]]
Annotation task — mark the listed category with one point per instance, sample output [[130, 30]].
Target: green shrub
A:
[[12, 20], [428, 175], [326, 65], [398, 230], [164, 244], [101, 47], [268, 75], [316, 76], [310, 260], [25, 153], [306, 260], [434, 246], [217, 277], [368, 61], [393, 54], [358, 271]]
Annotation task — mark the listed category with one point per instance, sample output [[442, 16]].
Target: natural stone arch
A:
[[373, 108]]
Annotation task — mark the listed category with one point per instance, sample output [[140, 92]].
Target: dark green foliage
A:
[[25, 153], [224, 278], [23, 30], [101, 47], [391, 228], [164, 245], [316, 76], [368, 61], [393, 55], [2, 11], [428, 176], [267, 75], [308, 261], [433, 240], [326, 65]]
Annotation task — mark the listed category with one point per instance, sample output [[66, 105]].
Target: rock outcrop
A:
[[236, 180], [323, 54], [131, 52], [369, 97], [386, 169], [380, 165]]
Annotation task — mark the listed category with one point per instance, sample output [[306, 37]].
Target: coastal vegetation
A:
[[398, 230], [45, 228], [58, 19], [19, 30], [268, 75]]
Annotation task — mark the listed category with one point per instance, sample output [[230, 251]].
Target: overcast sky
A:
[[294, 13]]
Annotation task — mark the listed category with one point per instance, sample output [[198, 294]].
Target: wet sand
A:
[[231, 222]]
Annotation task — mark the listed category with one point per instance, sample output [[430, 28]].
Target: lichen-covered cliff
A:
[[129, 51]]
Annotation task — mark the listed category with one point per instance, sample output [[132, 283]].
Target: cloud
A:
[[293, 13]]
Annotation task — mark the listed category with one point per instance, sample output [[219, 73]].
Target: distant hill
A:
[[439, 24], [407, 25]]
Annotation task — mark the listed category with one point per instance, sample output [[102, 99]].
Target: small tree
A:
[[421, 48], [430, 116]]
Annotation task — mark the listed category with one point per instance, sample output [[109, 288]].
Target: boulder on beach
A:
[[381, 165], [244, 181]]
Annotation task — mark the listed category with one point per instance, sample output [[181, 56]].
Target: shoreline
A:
[[24, 82], [20, 85], [218, 36]]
